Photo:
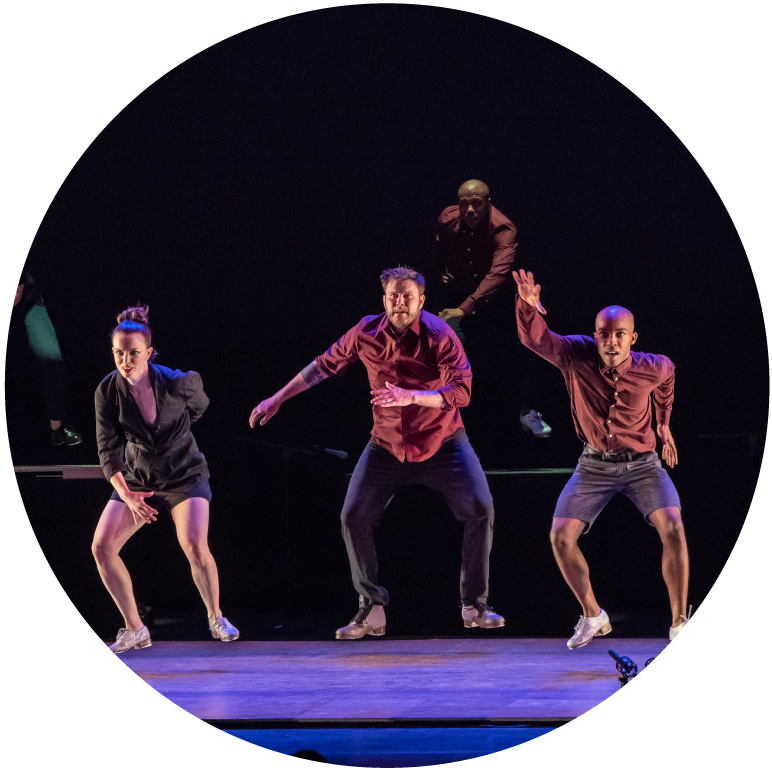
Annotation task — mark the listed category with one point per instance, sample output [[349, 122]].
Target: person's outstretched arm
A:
[[534, 333], [342, 353], [309, 376]]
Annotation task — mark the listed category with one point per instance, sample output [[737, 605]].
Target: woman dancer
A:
[[151, 408]]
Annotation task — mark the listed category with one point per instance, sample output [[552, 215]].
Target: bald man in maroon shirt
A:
[[474, 254], [419, 378], [611, 390]]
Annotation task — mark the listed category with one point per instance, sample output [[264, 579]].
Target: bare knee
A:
[[563, 538], [669, 525], [197, 552], [102, 551]]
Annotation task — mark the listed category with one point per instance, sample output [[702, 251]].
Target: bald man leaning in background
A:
[[474, 256], [611, 389]]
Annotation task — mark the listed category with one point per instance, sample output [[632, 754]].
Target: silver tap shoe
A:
[[481, 615], [588, 628], [221, 628], [131, 639], [369, 620]]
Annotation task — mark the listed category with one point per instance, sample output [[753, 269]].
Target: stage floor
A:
[[445, 679]]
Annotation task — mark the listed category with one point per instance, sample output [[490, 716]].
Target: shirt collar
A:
[[483, 227], [621, 368]]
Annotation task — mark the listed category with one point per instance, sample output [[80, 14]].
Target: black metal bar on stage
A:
[[61, 471]]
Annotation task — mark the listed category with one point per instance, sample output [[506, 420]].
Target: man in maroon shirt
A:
[[474, 254], [419, 378], [611, 389]]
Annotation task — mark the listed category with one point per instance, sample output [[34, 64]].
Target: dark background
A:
[[252, 196]]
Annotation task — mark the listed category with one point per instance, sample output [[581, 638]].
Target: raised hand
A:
[[391, 396], [135, 501], [529, 291], [669, 452], [264, 411]]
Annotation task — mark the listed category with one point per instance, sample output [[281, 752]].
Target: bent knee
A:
[[564, 537], [668, 523], [102, 551], [196, 552]]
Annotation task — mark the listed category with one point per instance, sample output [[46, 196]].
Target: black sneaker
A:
[[65, 435]]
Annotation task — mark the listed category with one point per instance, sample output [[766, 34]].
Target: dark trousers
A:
[[453, 471], [45, 348]]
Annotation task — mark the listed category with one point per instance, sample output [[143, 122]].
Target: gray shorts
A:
[[594, 482]]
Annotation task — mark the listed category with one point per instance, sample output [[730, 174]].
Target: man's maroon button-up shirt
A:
[[481, 261], [427, 357], [611, 406]]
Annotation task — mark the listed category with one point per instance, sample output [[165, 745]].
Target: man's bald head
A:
[[473, 188], [614, 335], [473, 202], [615, 313]]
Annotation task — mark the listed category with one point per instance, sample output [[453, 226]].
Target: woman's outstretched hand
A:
[[529, 291]]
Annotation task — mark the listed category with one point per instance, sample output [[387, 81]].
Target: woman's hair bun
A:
[[137, 314]]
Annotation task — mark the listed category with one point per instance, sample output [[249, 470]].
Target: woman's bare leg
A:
[[191, 518], [115, 527]]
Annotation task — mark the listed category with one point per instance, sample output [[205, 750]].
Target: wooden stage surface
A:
[[381, 679]]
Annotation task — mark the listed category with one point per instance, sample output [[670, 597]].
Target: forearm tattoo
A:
[[312, 375]]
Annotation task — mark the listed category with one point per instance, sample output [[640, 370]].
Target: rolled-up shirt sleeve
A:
[[455, 372], [664, 393], [195, 397], [341, 354], [109, 435]]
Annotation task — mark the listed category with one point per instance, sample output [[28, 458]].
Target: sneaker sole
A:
[[226, 637]]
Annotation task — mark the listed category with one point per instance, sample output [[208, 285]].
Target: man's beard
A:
[[400, 321]]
